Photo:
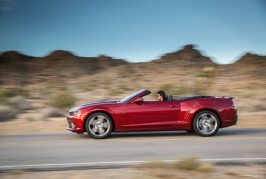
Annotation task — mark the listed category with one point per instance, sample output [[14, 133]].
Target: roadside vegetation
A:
[[191, 167], [187, 168], [61, 100], [12, 102], [187, 163]]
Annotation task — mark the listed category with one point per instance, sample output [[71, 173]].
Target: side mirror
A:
[[138, 100]]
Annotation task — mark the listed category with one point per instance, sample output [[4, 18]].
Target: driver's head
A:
[[161, 96]]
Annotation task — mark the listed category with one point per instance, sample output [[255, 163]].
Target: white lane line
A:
[[125, 163]]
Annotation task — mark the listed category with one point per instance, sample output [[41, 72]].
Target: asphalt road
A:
[[68, 149]]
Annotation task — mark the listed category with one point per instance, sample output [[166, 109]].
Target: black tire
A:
[[206, 123], [99, 125]]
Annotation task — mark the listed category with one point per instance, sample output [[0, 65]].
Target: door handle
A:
[[173, 106]]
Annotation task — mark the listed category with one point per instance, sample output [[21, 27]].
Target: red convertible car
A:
[[203, 115]]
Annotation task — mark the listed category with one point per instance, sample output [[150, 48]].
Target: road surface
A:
[[57, 150]]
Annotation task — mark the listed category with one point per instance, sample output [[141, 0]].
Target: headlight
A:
[[73, 113]]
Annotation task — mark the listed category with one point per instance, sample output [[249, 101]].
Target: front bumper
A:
[[74, 124]]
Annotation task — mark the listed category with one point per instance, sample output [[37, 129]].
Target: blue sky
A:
[[135, 30]]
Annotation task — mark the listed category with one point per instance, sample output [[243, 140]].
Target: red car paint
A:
[[178, 114]]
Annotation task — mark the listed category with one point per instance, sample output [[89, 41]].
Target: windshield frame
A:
[[128, 98]]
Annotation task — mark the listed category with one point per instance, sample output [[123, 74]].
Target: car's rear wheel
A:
[[206, 123], [99, 125]]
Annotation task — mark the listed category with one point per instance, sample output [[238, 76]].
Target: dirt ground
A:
[[223, 172]]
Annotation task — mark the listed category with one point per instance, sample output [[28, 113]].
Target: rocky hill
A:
[[16, 67], [252, 64], [183, 72], [186, 57]]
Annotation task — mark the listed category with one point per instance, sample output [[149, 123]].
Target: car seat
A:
[[170, 98]]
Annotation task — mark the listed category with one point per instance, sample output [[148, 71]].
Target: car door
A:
[[152, 115]]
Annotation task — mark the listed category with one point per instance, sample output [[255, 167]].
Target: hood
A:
[[91, 104]]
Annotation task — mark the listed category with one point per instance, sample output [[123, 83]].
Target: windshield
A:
[[131, 96]]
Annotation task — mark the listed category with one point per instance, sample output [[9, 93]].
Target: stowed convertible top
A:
[[194, 97]]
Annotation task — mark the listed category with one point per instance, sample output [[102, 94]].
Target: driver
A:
[[161, 96]]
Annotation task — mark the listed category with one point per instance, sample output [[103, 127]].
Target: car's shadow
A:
[[154, 134], [150, 134], [242, 131]]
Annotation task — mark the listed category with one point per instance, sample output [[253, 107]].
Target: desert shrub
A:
[[17, 103], [52, 112], [25, 105], [7, 113], [174, 90], [181, 90], [189, 163], [10, 92], [12, 96], [114, 92], [62, 100], [200, 87], [167, 87], [127, 72], [4, 96], [258, 107], [208, 71], [118, 90]]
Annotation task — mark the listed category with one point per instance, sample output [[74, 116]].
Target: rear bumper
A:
[[233, 122]]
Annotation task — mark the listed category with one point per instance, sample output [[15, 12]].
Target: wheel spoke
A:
[[205, 129], [93, 121], [209, 126], [105, 125], [206, 123], [101, 131], [211, 119], [205, 115], [94, 129], [101, 119]]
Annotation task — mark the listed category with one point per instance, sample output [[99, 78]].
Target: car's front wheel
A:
[[206, 123], [99, 125]]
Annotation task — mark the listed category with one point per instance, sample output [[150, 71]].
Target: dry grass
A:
[[189, 163], [62, 100], [190, 167], [223, 172]]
